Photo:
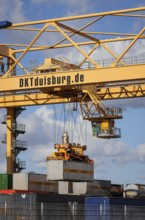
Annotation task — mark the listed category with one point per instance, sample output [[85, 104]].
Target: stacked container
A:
[[69, 170], [34, 182], [95, 188], [5, 181]]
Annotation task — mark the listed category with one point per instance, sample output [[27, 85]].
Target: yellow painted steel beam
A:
[[122, 92], [90, 52], [20, 65], [73, 78], [84, 32], [75, 31], [80, 29], [130, 45], [33, 99], [6, 51], [80, 17], [75, 45], [9, 152], [54, 31], [110, 93], [85, 43], [131, 15], [110, 51], [34, 29], [109, 33], [27, 49]]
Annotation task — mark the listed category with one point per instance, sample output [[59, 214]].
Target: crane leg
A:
[[9, 152]]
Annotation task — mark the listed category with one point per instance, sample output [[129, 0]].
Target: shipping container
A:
[[94, 188], [34, 197], [141, 190], [18, 206], [65, 187], [97, 208], [117, 190], [69, 170], [36, 206], [5, 181], [127, 201], [127, 208], [62, 199], [61, 206], [34, 182]]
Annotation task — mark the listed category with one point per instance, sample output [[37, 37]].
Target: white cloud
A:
[[134, 103], [135, 155], [139, 153], [12, 10], [107, 147], [122, 160], [45, 115], [74, 7], [38, 157], [2, 167]]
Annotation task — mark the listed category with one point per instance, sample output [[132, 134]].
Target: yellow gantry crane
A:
[[59, 80]]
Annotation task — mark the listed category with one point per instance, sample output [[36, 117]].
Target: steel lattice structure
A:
[[120, 77]]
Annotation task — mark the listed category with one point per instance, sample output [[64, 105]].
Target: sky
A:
[[121, 160]]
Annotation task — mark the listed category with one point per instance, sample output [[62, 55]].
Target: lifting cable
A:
[[81, 123], [64, 118], [54, 123], [68, 120], [57, 122], [77, 126], [82, 128]]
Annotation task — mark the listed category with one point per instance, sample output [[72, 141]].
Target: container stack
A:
[[34, 182], [5, 181], [95, 188], [69, 170]]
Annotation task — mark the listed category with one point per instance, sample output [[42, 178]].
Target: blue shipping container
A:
[[127, 201], [97, 208]]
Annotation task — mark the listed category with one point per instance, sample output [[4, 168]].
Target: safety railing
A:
[[18, 127], [108, 133], [131, 60]]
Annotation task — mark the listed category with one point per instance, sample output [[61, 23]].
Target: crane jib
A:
[[53, 80]]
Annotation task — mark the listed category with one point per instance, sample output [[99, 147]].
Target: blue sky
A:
[[122, 160]]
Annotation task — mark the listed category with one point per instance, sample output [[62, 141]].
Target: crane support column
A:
[[9, 137]]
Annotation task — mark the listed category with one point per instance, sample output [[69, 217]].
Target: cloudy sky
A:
[[122, 160]]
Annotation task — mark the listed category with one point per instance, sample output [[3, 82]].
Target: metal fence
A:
[[70, 211]]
